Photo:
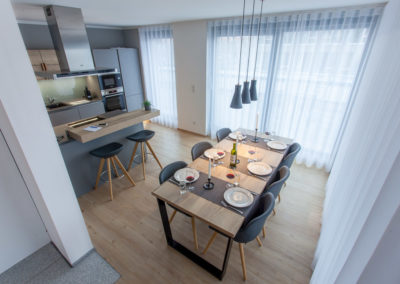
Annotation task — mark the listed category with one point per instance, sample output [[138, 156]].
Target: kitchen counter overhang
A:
[[112, 124]]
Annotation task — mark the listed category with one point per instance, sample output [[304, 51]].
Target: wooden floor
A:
[[128, 232]]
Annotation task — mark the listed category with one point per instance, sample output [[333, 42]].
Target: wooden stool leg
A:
[[99, 173], [196, 244], [279, 198], [123, 170], [172, 216], [114, 167], [259, 241], [109, 177], [143, 161], [273, 211], [263, 230], [154, 154], [210, 242], [243, 261], [133, 156]]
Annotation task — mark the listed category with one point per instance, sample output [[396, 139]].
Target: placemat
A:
[[216, 195]]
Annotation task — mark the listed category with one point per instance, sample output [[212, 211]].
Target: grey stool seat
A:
[[107, 151], [141, 136], [108, 154]]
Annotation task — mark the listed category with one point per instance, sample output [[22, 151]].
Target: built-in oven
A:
[[112, 91], [114, 102], [110, 83]]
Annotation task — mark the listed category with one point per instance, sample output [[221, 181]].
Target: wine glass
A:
[[189, 180], [236, 180]]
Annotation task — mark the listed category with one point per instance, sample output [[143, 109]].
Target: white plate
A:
[[239, 135], [277, 145], [214, 153], [259, 168], [238, 197], [182, 174]]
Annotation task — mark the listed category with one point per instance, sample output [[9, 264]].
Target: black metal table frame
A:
[[219, 273]]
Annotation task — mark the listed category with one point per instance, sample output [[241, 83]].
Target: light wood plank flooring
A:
[[128, 232]]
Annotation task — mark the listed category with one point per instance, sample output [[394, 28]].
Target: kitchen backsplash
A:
[[68, 89]]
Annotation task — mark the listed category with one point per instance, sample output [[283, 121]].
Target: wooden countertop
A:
[[114, 124]]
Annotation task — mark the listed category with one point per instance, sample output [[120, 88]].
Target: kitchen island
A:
[[76, 143]]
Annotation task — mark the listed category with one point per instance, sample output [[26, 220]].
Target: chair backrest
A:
[[199, 148], [288, 160], [169, 170], [252, 229], [222, 133], [281, 176]]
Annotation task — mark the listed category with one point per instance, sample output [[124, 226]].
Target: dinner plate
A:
[[238, 135], [214, 153], [259, 168], [238, 197], [277, 145], [187, 175]]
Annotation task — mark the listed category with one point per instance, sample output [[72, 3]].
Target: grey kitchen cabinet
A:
[[126, 60], [64, 116], [92, 109], [106, 58], [134, 101]]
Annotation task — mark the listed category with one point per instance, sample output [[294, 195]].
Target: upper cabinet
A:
[[44, 60], [106, 58]]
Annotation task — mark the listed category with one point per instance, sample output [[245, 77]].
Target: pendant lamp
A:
[[246, 84], [237, 100], [253, 87]]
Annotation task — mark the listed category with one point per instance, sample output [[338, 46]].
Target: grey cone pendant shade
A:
[[237, 100], [253, 90], [246, 93]]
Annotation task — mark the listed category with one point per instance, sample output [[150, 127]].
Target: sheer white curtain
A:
[[307, 73], [157, 51]]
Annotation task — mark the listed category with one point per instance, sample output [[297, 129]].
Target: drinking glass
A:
[[236, 181], [182, 184]]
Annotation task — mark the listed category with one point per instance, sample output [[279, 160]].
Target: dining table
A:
[[208, 205]]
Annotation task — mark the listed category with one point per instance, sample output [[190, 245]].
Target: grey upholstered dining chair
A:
[[275, 187], [289, 157], [199, 148], [166, 173], [250, 230], [222, 133]]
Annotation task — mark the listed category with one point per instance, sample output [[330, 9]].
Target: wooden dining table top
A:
[[223, 219]]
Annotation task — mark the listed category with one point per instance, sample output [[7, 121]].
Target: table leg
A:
[[219, 273]]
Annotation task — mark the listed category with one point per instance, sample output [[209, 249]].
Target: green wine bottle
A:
[[233, 161]]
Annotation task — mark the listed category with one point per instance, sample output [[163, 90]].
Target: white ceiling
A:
[[125, 13]]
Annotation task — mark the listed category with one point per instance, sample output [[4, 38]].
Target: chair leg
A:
[[172, 216], [263, 230], [210, 242], [259, 241], [109, 177], [133, 156], [123, 170], [114, 167], [196, 244], [279, 198], [284, 184], [273, 211], [154, 154], [143, 161], [99, 173], [243, 261]]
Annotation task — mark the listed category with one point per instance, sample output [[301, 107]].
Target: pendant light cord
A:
[[241, 41], [251, 33], [258, 37]]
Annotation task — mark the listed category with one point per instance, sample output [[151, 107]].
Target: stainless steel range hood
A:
[[71, 43]]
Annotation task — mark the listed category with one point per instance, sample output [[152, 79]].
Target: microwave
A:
[[110, 84]]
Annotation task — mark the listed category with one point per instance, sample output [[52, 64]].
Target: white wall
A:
[[27, 129], [22, 230], [190, 44]]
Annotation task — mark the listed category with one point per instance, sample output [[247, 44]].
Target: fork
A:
[[231, 207]]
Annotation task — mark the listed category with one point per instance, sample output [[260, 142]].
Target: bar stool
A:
[[140, 137], [109, 153]]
